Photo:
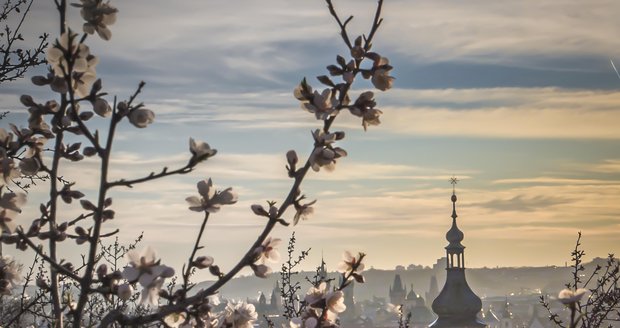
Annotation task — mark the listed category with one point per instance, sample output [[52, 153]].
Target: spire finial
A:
[[454, 181]]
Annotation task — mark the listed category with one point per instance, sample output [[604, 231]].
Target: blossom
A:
[[82, 81], [268, 251], [335, 301], [322, 104], [200, 149], [380, 74], [351, 263], [175, 320], [302, 211], [239, 315], [319, 296], [10, 204], [141, 117], [9, 275], [98, 15], [324, 154], [146, 269], [83, 63], [67, 44], [569, 297], [211, 200], [364, 107], [325, 157]]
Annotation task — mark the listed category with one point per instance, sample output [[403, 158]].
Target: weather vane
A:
[[454, 181]]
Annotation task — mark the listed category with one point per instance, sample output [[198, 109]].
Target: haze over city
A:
[[519, 100]]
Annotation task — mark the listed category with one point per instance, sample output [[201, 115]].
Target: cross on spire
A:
[[454, 181]]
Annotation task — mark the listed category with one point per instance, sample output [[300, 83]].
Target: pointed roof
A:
[[398, 284], [456, 305]]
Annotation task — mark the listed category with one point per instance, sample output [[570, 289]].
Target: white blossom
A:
[[146, 269], [350, 263], [322, 104], [200, 149], [211, 200], [332, 300], [380, 74], [238, 315], [568, 297], [67, 43], [175, 320], [98, 15], [268, 250]]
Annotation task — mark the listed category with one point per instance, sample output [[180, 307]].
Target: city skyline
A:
[[519, 101]]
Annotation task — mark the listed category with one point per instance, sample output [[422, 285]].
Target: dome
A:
[[454, 235], [411, 295]]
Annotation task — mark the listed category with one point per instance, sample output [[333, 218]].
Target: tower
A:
[[456, 305], [276, 298], [397, 292]]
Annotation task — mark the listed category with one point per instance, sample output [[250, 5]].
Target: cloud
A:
[[607, 166], [502, 32], [555, 180], [523, 204]]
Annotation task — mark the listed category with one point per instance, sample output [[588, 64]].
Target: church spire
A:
[[455, 250], [456, 305]]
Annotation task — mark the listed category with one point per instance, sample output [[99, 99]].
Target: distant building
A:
[[507, 319], [433, 291], [398, 293], [456, 305]]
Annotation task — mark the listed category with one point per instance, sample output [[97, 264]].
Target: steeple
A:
[[456, 305]]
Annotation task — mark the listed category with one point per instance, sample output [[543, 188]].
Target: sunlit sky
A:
[[518, 99]]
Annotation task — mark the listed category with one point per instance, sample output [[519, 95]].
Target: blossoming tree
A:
[[79, 97]]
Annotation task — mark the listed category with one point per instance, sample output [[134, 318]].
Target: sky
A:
[[518, 99]]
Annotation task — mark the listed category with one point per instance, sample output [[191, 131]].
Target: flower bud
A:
[[141, 117], [259, 210], [40, 80], [203, 262], [27, 101], [291, 158], [102, 108]]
